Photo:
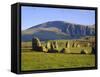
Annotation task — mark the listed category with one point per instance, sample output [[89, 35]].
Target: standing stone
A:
[[44, 49], [73, 44], [68, 45], [48, 45], [84, 51], [52, 45], [36, 44], [55, 45], [89, 44], [78, 45], [65, 50]]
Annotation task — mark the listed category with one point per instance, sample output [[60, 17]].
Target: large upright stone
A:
[[36, 44], [44, 49], [68, 45], [48, 45], [73, 44], [52, 46], [55, 44], [89, 45], [78, 45], [65, 50]]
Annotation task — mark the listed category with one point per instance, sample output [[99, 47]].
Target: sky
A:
[[32, 16]]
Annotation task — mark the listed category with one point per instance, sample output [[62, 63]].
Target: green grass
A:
[[32, 60], [35, 60]]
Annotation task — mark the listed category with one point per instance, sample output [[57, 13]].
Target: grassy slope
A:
[[39, 60]]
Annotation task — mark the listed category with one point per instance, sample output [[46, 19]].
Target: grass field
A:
[[38, 60], [32, 60]]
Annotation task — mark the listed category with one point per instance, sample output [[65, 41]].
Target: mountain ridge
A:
[[58, 28]]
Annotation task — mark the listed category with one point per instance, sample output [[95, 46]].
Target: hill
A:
[[53, 30]]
